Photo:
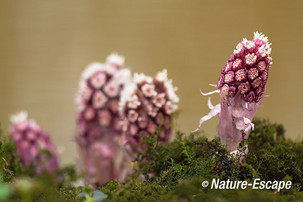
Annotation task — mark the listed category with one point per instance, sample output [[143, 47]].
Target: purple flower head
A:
[[241, 87], [33, 144], [247, 69], [147, 106], [98, 119]]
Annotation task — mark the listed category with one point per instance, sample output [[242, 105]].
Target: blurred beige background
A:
[[45, 45]]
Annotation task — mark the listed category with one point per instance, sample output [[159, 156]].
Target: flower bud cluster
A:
[[33, 144], [246, 71], [98, 120], [147, 108], [98, 99]]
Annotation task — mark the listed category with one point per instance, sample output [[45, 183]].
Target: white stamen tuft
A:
[[115, 59], [19, 117]]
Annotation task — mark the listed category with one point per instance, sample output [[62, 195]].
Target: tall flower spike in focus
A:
[[33, 144], [147, 106], [98, 118], [242, 88]]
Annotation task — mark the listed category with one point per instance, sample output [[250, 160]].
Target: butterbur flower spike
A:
[[33, 144], [242, 89], [98, 120], [98, 97], [146, 106]]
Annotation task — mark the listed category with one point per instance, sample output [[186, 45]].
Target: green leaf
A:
[[82, 194], [99, 196]]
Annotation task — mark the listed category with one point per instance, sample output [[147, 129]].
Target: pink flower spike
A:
[[30, 140], [99, 121], [147, 107], [242, 90]]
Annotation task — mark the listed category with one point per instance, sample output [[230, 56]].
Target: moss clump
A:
[[21, 183], [179, 168]]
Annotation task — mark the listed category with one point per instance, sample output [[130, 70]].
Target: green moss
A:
[[179, 168], [23, 183]]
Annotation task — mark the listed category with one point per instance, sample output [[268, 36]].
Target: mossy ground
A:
[[179, 168]]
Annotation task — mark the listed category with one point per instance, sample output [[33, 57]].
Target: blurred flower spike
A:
[[147, 107], [98, 97], [98, 120], [33, 144], [242, 88]]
